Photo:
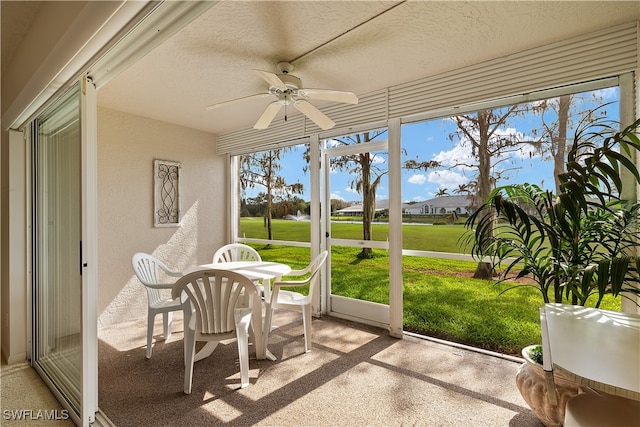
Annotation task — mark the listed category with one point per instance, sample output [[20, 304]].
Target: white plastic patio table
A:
[[599, 345], [263, 271]]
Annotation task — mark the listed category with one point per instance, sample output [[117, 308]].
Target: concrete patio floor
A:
[[356, 375]]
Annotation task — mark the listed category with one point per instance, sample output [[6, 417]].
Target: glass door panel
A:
[[57, 262]]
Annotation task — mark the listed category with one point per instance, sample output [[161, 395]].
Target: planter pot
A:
[[530, 380]]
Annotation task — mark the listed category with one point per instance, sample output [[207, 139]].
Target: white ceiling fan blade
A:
[[272, 79], [233, 101], [267, 116], [317, 116], [330, 95]]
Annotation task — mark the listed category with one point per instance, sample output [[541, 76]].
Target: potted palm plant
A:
[[574, 247]]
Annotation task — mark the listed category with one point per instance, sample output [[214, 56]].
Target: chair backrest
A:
[[599, 348], [148, 269], [315, 267], [316, 264], [214, 296], [236, 252]]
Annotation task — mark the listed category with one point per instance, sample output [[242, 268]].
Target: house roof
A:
[[380, 206], [444, 202]]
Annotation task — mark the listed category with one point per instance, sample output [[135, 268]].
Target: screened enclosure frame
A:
[[625, 81]]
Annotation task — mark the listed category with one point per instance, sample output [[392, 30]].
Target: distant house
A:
[[356, 210], [437, 206], [440, 205]]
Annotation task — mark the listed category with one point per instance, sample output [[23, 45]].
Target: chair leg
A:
[[243, 354], [252, 339], [167, 316], [189, 356], [151, 318], [306, 322]]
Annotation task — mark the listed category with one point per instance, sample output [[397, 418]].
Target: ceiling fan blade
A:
[[267, 116], [233, 101], [317, 116], [329, 95], [272, 79]]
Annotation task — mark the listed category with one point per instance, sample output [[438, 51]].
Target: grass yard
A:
[[440, 297], [439, 238]]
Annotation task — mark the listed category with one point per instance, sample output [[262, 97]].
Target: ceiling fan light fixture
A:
[[287, 89]]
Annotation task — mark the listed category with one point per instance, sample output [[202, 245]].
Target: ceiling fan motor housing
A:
[[291, 81], [285, 67], [287, 89]]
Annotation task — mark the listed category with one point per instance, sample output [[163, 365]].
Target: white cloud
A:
[[447, 179], [351, 190], [417, 179], [525, 151], [336, 196], [607, 93], [418, 199], [459, 154], [378, 160], [461, 157]]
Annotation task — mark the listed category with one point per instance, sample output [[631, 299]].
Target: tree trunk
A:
[[560, 141], [484, 271], [485, 181], [268, 214], [368, 204]]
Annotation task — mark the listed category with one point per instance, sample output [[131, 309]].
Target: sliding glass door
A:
[[63, 334]]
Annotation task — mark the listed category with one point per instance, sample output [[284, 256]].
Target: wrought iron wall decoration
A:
[[166, 184]]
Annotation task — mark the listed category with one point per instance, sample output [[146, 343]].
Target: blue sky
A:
[[430, 141]]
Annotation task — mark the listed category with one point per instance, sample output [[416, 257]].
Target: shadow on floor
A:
[[355, 375]]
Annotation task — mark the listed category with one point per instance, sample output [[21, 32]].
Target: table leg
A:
[[263, 352]]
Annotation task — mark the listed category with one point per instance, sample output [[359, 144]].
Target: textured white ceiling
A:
[[361, 46], [15, 22]]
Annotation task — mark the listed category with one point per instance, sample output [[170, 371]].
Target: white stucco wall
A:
[[127, 148]]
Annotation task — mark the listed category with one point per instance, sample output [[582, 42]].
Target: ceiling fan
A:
[[288, 90]]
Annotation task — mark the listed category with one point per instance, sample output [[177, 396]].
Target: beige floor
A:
[[26, 401], [355, 376]]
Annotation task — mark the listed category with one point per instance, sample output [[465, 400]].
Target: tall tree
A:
[[486, 132], [262, 169], [558, 138], [565, 113]]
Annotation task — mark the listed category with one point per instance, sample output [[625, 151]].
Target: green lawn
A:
[[440, 238], [440, 298]]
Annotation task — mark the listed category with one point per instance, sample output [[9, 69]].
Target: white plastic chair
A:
[[294, 300], [239, 252], [214, 311], [600, 351], [236, 252], [148, 270]]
